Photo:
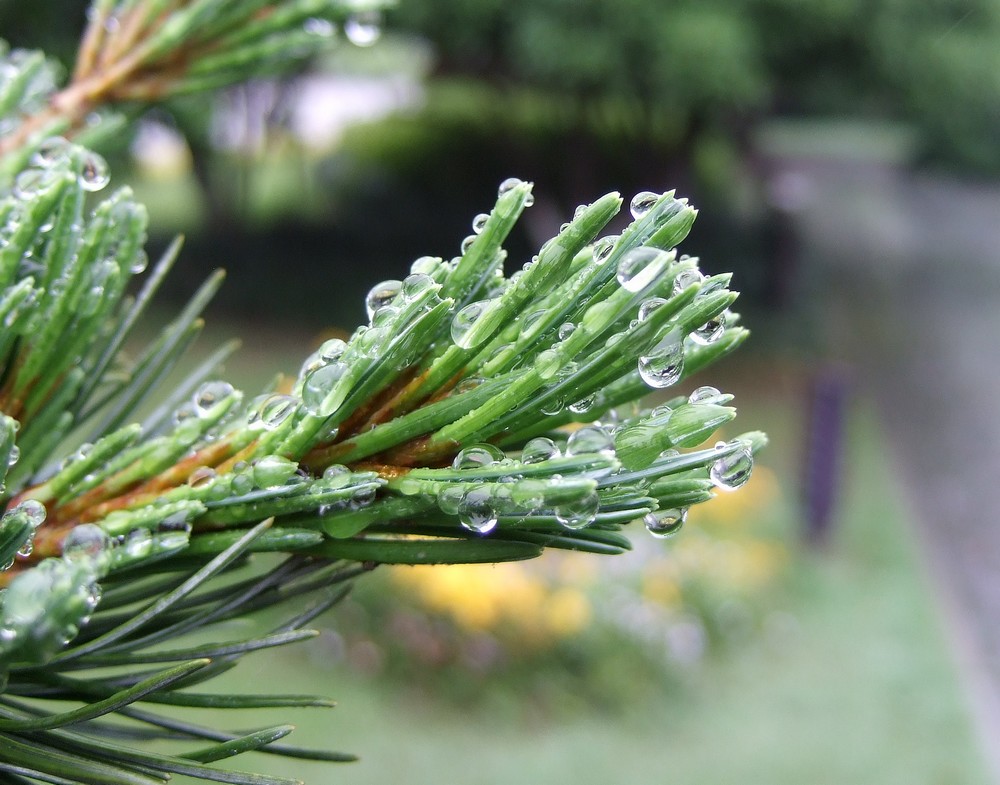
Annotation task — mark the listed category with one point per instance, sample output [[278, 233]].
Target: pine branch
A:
[[437, 433]]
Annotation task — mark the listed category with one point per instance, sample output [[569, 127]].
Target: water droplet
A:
[[553, 406], [14, 455], [664, 364], [603, 247], [201, 477], [584, 405], [138, 543], [210, 394], [476, 510], [272, 471], [94, 172], [381, 294], [50, 151], [642, 203], [33, 510], [539, 449], [362, 497], [639, 268], [86, 541], [477, 456], [547, 363], [710, 331], [588, 439], [509, 185], [274, 410], [479, 222], [449, 498], [242, 479], [26, 548], [363, 29], [322, 28], [426, 265], [416, 284], [30, 182], [704, 395], [648, 306], [732, 471], [337, 476], [566, 330], [462, 326], [578, 513], [665, 523], [686, 278]]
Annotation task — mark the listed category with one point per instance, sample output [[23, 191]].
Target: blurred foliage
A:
[[565, 628], [712, 63]]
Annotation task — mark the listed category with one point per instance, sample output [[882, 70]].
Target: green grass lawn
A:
[[853, 682]]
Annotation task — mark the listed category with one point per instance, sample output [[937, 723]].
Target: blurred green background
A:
[[832, 622]]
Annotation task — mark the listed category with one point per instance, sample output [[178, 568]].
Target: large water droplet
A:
[[477, 456], [578, 513], [210, 394], [639, 268], [584, 405], [477, 511], [274, 410], [416, 284], [664, 364], [52, 150], [648, 306], [318, 384], [462, 326], [337, 476], [509, 185], [686, 278], [539, 449], [705, 395], [710, 331], [449, 498], [363, 29], [86, 541], [547, 363], [322, 28], [479, 222], [94, 172], [201, 477], [30, 182], [566, 330], [381, 294], [552, 406], [732, 471], [33, 510], [138, 543], [590, 439], [604, 247], [272, 471], [665, 523], [642, 203]]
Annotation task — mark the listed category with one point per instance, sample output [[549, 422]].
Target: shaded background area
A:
[[834, 621]]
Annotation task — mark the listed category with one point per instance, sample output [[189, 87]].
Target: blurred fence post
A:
[[821, 481]]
